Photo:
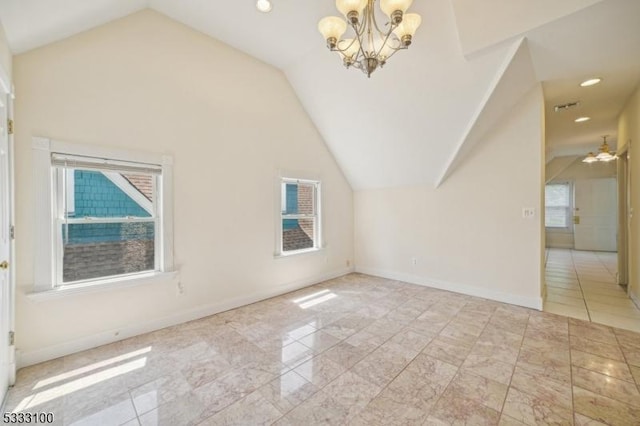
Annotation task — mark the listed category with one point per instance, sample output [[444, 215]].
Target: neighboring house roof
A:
[[143, 183], [295, 239]]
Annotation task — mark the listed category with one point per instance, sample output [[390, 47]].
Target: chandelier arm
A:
[[395, 50], [384, 43]]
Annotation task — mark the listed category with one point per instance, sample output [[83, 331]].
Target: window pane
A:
[[90, 193], [557, 205], [106, 249], [305, 199], [556, 217], [557, 195], [297, 234], [291, 198]]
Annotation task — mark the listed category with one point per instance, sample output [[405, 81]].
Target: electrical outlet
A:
[[414, 261], [348, 263], [180, 288]]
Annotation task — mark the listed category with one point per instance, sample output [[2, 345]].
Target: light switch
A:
[[528, 212]]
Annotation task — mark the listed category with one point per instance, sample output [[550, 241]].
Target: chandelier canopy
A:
[[603, 155], [371, 45]]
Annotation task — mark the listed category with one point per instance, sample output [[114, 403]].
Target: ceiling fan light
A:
[[590, 158], [604, 156], [332, 28]]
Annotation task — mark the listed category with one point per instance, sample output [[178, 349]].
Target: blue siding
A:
[[97, 196], [292, 206], [105, 232]]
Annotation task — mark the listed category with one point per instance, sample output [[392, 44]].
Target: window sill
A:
[[559, 229], [105, 285], [298, 252]]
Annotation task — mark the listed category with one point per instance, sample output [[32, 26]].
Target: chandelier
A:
[[371, 44], [603, 155]]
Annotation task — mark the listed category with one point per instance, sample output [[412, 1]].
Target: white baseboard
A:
[[26, 358], [499, 296], [560, 245]]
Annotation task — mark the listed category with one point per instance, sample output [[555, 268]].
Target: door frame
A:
[[624, 198], [7, 86]]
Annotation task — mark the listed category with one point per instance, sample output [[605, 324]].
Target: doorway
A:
[[585, 261]]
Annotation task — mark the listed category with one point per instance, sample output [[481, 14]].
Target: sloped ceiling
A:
[[412, 121]]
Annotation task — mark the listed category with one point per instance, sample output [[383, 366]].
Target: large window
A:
[[101, 217], [557, 205], [300, 215], [106, 217]]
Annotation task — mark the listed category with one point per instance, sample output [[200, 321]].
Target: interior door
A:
[[5, 243], [595, 204]]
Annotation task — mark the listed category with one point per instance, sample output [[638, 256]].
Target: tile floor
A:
[[582, 284], [356, 350]]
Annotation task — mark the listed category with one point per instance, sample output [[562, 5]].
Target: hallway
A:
[[582, 284]]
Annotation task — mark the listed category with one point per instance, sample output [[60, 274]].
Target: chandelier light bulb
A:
[[264, 6], [332, 29], [348, 7], [407, 28], [369, 43], [391, 6]]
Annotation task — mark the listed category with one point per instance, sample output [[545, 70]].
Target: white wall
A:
[[468, 235], [230, 121], [629, 133], [483, 23]]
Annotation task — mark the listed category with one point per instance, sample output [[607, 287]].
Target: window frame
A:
[[282, 215], [48, 184], [568, 207]]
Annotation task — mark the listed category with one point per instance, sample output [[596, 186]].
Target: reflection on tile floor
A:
[[582, 284], [355, 350]]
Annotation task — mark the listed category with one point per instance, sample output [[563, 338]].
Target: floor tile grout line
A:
[[514, 367], [573, 262]]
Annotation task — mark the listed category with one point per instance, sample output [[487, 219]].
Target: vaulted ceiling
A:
[[413, 120]]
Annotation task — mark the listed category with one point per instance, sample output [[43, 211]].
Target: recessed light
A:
[[264, 6], [582, 119], [590, 82]]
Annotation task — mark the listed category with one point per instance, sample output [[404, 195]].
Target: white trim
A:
[[26, 358], [44, 216], [99, 151], [5, 81], [132, 192], [45, 264], [298, 252], [94, 286], [499, 296], [316, 216]]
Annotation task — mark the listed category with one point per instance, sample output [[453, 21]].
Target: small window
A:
[[300, 220], [557, 205]]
